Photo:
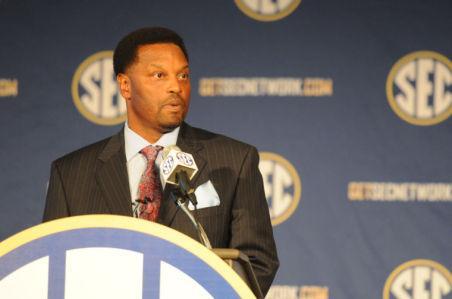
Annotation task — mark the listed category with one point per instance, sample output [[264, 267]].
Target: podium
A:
[[104, 256], [240, 263]]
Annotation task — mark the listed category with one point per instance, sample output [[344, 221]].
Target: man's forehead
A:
[[158, 55], [158, 50]]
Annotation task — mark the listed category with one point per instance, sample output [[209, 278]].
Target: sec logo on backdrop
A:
[[95, 92], [419, 86], [282, 186], [267, 10], [418, 279]]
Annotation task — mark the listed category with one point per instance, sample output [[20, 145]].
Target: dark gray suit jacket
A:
[[93, 180]]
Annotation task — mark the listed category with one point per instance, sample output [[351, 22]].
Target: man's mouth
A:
[[175, 103]]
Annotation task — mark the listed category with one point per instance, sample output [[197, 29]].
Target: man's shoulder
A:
[[209, 138], [86, 153]]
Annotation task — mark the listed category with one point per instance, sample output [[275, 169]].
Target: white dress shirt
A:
[[136, 162]]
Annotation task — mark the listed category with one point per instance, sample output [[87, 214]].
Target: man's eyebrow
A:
[[156, 65], [161, 67]]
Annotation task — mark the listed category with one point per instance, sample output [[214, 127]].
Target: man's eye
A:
[[158, 75], [183, 76]]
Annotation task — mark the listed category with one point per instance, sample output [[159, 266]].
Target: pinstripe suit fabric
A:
[[93, 180]]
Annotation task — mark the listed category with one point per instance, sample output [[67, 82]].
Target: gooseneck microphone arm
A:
[[181, 202]]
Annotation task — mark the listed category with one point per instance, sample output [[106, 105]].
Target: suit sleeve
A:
[[251, 230], [56, 205]]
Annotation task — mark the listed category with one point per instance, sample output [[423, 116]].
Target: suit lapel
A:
[[190, 144], [187, 142], [112, 178]]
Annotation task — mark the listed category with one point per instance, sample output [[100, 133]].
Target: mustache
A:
[[174, 100]]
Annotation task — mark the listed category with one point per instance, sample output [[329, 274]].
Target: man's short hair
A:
[[126, 50]]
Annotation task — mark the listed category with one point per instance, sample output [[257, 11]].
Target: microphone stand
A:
[[181, 202]]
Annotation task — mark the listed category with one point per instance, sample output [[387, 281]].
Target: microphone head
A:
[[168, 149], [162, 155], [174, 161]]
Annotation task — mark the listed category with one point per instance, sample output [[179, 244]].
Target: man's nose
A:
[[174, 85]]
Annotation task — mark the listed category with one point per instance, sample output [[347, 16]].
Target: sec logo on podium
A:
[[104, 256]]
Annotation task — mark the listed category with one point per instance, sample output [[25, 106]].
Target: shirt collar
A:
[[134, 143]]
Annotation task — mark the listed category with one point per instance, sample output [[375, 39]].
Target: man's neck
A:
[[151, 135]]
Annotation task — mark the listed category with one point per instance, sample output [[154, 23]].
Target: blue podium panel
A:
[[112, 257]]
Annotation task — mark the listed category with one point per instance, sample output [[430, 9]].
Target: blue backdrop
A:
[[355, 96]]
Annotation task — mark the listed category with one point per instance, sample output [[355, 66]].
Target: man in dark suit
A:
[[152, 71]]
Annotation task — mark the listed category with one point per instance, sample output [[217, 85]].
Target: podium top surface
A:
[[160, 260]]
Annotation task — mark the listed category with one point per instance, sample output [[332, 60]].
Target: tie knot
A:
[[151, 152]]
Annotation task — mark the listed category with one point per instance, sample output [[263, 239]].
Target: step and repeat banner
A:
[[349, 103]]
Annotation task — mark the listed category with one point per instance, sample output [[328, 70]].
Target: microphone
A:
[[177, 168]]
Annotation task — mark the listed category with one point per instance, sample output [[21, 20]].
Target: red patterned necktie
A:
[[150, 189]]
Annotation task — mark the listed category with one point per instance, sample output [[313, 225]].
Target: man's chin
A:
[[169, 126]]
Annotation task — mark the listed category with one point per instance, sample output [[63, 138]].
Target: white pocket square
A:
[[206, 195]]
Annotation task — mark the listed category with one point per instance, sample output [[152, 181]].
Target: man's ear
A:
[[124, 85]]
